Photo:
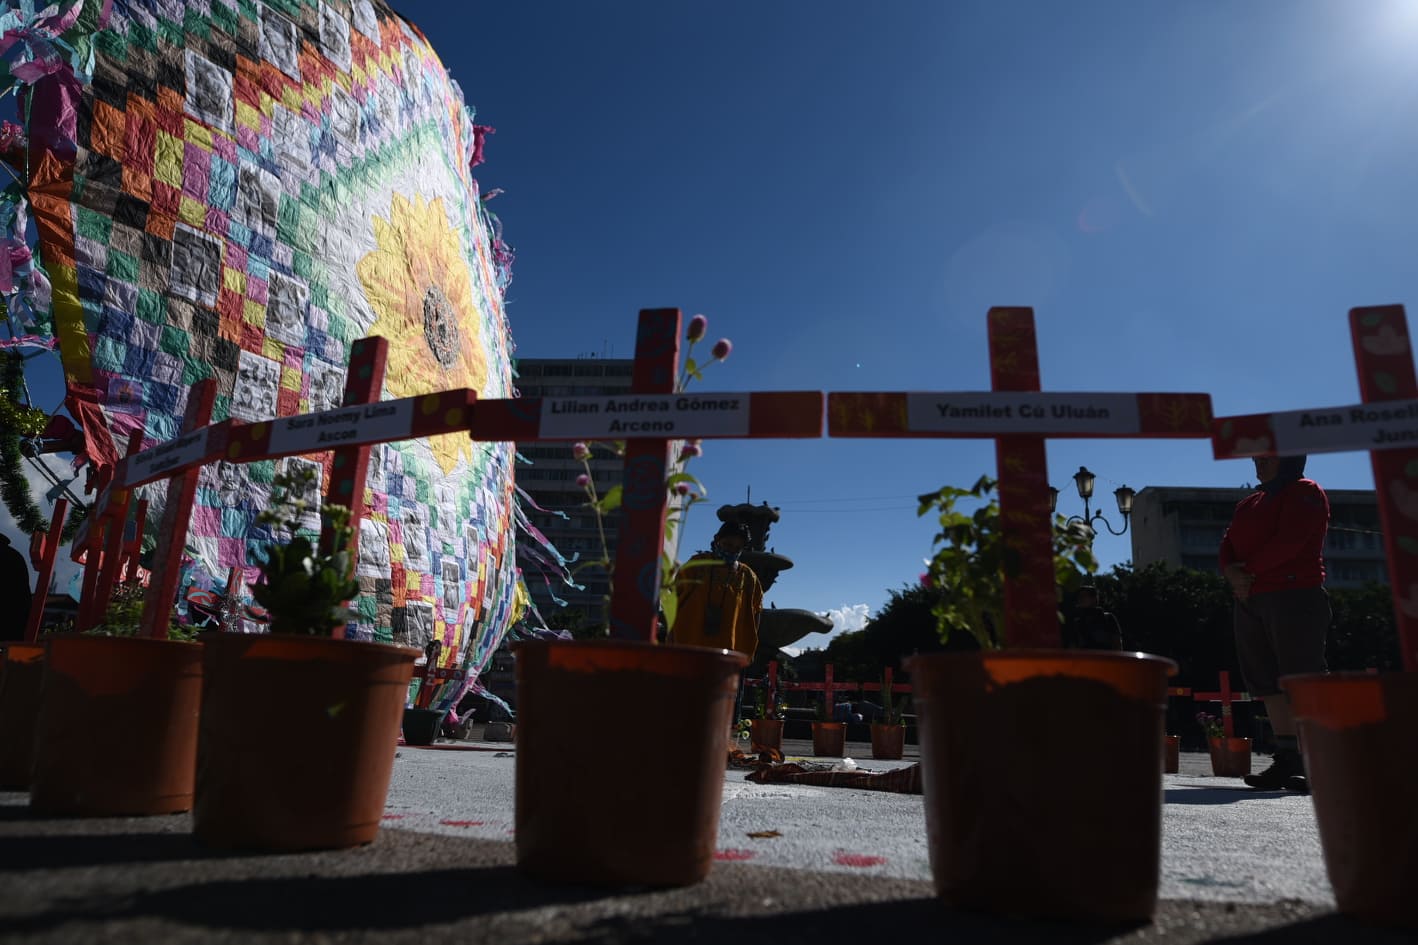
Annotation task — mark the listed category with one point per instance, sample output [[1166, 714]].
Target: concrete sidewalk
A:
[[1237, 867]]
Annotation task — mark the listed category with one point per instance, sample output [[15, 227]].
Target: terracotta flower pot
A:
[[117, 730], [296, 742], [658, 828], [765, 734], [1173, 763], [1230, 757], [421, 726], [1006, 833], [1358, 731], [887, 741], [829, 739], [20, 680]]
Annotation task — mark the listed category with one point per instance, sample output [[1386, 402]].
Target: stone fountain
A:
[[778, 627]]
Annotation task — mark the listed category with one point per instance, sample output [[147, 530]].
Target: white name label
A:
[[165, 457], [645, 415], [342, 426], [1003, 413], [1382, 426]]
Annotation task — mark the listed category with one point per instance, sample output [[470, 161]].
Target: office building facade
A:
[[1183, 526]]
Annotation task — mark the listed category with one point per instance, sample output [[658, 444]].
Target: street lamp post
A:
[[1083, 480]]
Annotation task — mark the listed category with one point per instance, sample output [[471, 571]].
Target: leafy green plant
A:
[[766, 705], [973, 555], [1212, 725], [124, 617], [302, 587]]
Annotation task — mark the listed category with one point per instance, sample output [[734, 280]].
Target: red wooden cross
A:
[[827, 687], [177, 513], [1019, 418], [433, 680], [133, 548], [887, 684], [349, 467], [1385, 424], [650, 417], [48, 553], [769, 681], [103, 557], [1225, 697], [349, 430]]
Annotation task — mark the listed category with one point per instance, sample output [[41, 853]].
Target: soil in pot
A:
[[1006, 834], [1363, 788], [21, 678], [117, 730], [658, 828]]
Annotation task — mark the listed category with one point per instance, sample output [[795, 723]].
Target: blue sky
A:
[[1191, 196]]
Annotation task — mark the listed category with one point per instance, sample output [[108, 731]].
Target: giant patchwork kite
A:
[[240, 190]]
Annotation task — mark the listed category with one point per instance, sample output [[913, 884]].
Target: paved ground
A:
[[1237, 867]]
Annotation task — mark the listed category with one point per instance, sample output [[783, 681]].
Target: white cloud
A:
[[849, 618], [845, 619]]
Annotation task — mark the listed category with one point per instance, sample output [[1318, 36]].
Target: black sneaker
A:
[[1298, 783], [1285, 765]]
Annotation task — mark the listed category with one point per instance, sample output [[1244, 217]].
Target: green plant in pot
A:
[[766, 727], [888, 736], [299, 727], [997, 725], [973, 557], [305, 585], [124, 617], [829, 738], [768, 707]]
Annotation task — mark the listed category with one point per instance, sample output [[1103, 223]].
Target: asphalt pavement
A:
[[1238, 866]]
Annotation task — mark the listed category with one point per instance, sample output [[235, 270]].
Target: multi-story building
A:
[[550, 479], [1183, 526]]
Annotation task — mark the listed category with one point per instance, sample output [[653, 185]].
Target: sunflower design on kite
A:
[[418, 283]]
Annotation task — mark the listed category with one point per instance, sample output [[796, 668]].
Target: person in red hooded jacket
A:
[[1272, 555]]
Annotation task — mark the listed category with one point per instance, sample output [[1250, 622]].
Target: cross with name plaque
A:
[[1385, 424], [1019, 417], [649, 418]]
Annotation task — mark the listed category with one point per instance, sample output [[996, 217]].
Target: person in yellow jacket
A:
[[720, 598]]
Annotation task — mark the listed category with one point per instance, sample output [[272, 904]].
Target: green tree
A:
[[1186, 615], [850, 656], [1363, 634], [974, 553], [1174, 612]]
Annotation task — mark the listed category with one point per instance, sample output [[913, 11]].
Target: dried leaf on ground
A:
[[764, 834]]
